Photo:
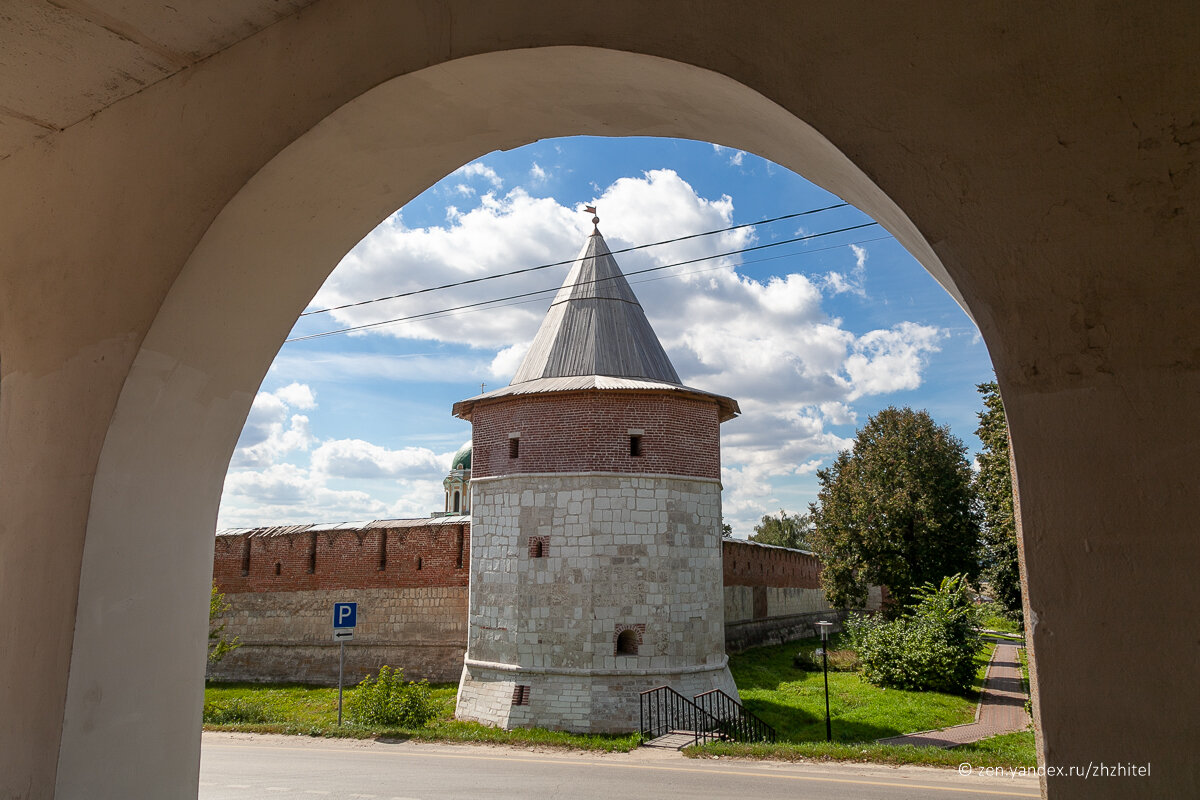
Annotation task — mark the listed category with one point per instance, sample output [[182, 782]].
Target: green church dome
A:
[[462, 459]]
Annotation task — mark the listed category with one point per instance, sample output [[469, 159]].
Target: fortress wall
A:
[[409, 580], [774, 595], [417, 619]]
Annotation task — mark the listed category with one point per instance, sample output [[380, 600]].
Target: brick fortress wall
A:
[[409, 578], [417, 618], [773, 595]]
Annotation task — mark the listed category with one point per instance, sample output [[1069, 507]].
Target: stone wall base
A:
[[317, 663], [580, 703]]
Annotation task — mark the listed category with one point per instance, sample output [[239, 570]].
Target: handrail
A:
[[663, 710], [734, 721]]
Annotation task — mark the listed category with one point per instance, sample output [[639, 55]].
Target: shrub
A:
[[388, 700], [235, 710], [931, 648]]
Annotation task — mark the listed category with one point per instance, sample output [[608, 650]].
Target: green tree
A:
[[726, 530], [898, 509], [993, 485], [783, 529], [218, 645]]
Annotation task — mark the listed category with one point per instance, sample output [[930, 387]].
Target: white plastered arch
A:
[[133, 703]]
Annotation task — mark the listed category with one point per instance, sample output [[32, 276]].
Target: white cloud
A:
[[855, 281], [735, 160], [297, 395], [537, 173], [355, 458], [477, 170], [891, 360], [270, 431]]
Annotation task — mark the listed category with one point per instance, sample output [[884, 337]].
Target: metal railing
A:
[[733, 721], [664, 711]]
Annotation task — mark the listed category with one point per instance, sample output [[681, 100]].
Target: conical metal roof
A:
[[595, 337], [595, 326]]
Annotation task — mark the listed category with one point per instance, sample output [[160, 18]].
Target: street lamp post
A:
[[824, 628]]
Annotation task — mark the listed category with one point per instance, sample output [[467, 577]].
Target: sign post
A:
[[345, 618]]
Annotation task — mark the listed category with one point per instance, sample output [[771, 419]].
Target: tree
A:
[[993, 485], [898, 509], [784, 530], [726, 530], [218, 645]]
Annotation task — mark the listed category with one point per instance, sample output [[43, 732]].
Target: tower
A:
[[457, 484], [596, 516]]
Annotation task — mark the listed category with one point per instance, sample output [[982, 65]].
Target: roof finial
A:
[[595, 219]]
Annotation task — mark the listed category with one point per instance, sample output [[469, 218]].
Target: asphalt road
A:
[[241, 766]]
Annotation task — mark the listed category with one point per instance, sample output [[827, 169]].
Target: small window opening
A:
[[383, 550], [278, 569], [246, 556], [420, 562], [456, 501], [312, 555], [520, 696], [514, 447], [459, 562], [635, 444], [539, 547], [627, 642]]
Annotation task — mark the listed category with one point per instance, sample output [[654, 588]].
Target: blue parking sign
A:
[[345, 615]]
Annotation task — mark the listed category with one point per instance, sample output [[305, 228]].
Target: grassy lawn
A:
[[790, 699], [1007, 750], [793, 701], [312, 711]]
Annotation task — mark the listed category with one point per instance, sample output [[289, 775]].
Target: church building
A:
[[596, 557]]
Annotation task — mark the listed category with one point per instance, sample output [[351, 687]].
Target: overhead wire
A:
[[525, 301], [496, 300], [524, 270]]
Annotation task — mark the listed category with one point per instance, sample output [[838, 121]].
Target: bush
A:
[[387, 700], [931, 648], [234, 711]]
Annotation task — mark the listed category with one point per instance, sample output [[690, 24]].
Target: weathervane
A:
[[595, 218]]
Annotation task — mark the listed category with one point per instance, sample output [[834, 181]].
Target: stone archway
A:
[[158, 481], [157, 252]]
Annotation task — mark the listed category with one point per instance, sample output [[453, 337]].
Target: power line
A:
[[571, 261], [450, 312], [583, 283]]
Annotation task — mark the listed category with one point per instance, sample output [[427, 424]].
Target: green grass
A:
[[1007, 750], [793, 701], [790, 699], [298, 709], [993, 619]]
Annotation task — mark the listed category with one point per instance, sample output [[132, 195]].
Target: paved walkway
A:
[[1001, 708]]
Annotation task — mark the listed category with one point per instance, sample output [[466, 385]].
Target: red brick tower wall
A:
[[589, 432]]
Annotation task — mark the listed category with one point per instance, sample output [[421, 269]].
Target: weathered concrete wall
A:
[[287, 636]]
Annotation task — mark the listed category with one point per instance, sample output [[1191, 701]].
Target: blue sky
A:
[[810, 337]]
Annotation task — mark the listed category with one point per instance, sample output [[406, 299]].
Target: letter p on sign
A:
[[345, 615]]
